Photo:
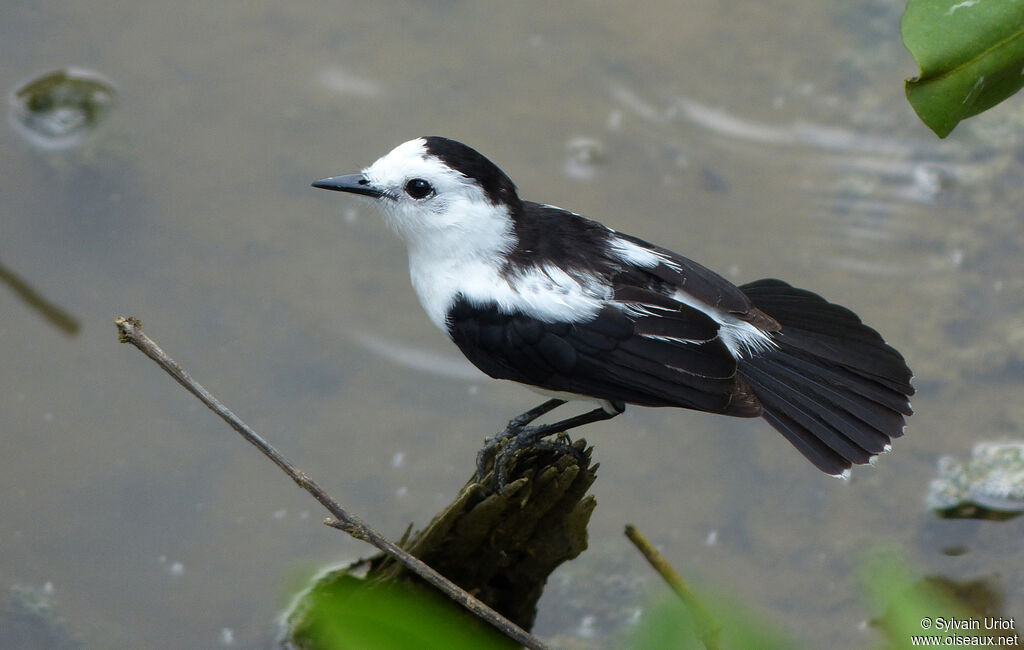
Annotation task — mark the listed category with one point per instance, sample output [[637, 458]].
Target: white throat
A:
[[446, 264]]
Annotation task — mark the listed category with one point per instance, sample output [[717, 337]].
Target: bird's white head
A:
[[440, 194], [456, 211]]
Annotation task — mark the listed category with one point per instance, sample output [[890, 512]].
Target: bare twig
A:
[[705, 626], [130, 330]]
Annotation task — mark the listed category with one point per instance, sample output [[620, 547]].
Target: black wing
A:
[[695, 279], [647, 350], [547, 234]]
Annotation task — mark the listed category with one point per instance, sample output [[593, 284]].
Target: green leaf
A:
[[347, 613], [669, 625], [971, 55], [910, 607]]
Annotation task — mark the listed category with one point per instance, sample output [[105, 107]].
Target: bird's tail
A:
[[832, 386]]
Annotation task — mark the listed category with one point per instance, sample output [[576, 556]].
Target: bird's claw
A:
[[505, 447]]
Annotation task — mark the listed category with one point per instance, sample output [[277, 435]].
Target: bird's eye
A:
[[418, 188]]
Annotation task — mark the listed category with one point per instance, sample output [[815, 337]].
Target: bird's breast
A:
[[546, 292]]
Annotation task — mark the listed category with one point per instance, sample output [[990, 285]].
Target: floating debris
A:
[[583, 155], [988, 486], [29, 619], [345, 82], [59, 109]]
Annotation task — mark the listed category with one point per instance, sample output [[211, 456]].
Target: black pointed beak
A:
[[354, 183]]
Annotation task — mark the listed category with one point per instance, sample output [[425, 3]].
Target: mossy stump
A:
[[499, 547]]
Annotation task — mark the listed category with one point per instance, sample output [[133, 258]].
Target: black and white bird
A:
[[548, 298]]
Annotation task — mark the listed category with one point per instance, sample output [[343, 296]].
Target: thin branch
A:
[[130, 331], [54, 314], [705, 626]]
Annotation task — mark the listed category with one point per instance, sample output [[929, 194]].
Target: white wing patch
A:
[[669, 339], [742, 338], [633, 253], [739, 336]]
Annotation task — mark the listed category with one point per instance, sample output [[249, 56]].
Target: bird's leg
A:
[[533, 438], [518, 436], [517, 423], [515, 426]]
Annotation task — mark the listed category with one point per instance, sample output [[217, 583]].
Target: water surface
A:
[[761, 139]]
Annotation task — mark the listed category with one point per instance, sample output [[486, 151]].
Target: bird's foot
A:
[[503, 449], [516, 426]]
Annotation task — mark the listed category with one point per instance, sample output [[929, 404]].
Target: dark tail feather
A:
[[832, 387]]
